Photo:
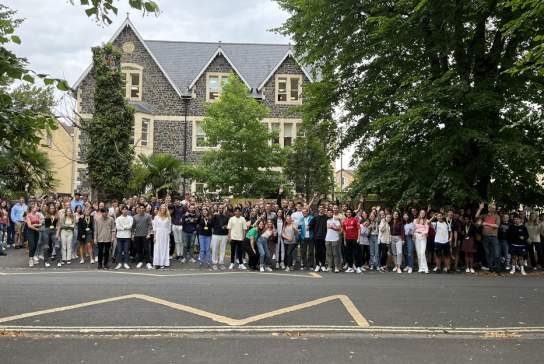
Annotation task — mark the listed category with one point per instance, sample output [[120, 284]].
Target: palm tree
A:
[[164, 171]]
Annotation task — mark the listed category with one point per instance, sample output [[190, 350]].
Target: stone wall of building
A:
[[168, 138]]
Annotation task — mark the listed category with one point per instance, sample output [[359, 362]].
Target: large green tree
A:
[[108, 150], [426, 95], [244, 158]]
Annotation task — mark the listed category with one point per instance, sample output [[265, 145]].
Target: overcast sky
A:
[[57, 38]]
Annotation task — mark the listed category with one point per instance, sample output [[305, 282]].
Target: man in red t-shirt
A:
[[490, 235], [350, 228]]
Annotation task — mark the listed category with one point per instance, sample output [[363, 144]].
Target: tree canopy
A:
[[244, 158], [427, 93]]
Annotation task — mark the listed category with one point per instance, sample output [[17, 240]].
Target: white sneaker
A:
[[47, 265], [126, 266], [336, 270], [81, 261], [472, 270], [277, 265], [349, 270], [358, 270], [59, 264], [193, 260], [139, 265], [513, 270], [317, 268], [36, 260], [268, 269], [40, 257], [274, 257], [118, 266], [149, 266], [409, 270], [405, 269], [242, 267], [399, 271], [261, 269], [302, 269], [467, 270], [231, 266], [523, 271], [93, 261], [69, 262], [282, 265], [31, 262], [435, 269], [345, 267], [324, 269], [287, 269]]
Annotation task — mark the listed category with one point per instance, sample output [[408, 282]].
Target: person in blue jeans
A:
[[123, 225], [409, 240], [374, 247], [204, 229], [267, 232], [189, 222]]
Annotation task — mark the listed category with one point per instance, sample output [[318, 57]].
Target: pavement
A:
[[191, 315]]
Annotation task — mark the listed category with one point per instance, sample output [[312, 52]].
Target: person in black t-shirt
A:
[[219, 237], [517, 238]]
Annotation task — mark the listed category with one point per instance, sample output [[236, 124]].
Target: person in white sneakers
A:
[[442, 242], [123, 225], [332, 242], [142, 228], [237, 231], [517, 238], [85, 233]]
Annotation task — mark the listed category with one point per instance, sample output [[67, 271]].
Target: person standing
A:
[[468, 243], [123, 225], [280, 246], [220, 232], [266, 232], [177, 228], [204, 229], [504, 254], [306, 241], [65, 233], [421, 231], [408, 226], [50, 243], [384, 236], [351, 228], [17, 216], [162, 225], [319, 227], [104, 235], [535, 229], [142, 228], [373, 241], [490, 232], [189, 223], [442, 242], [85, 227], [237, 227], [289, 236], [33, 233], [397, 240], [517, 237], [332, 242]]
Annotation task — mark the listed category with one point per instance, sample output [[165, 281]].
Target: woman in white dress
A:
[[162, 226]]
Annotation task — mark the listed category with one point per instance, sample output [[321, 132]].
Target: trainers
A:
[[47, 265], [512, 271], [435, 269], [405, 269], [149, 266], [36, 260], [409, 271], [324, 269], [242, 267], [358, 270], [399, 271], [485, 268], [81, 261], [336, 270], [302, 269], [261, 269], [282, 266], [349, 270], [467, 270], [472, 270], [59, 264], [139, 265], [231, 266], [126, 266], [31, 262], [68, 262], [277, 265], [317, 268], [523, 271], [287, 269], [118, 266], [268, 269], [345, 267], [193, 260]]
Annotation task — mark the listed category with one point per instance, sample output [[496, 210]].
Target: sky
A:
[[57, 38]]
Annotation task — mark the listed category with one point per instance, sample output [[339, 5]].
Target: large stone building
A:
[[168, 82]]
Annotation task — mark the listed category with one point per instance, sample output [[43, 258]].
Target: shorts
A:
[[19, 227], [518, 250], [86, 240], [442, 249]]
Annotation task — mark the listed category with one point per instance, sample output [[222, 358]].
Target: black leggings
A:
[[353, 253], [536, 259], [320, 252], [383, 254], [142, 247], [365, 254], [103, 254], [33, 237], [290, 251]]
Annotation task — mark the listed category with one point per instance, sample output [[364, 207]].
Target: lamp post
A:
[[186, 99]]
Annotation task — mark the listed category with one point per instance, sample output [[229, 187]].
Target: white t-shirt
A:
[[236, 227], [332, 235], [442, 232], [297, 218]]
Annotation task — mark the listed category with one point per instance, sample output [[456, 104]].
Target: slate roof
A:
[[182, 62]]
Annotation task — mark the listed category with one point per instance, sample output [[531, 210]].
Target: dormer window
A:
[[131, 75], [214, 85], [288, 89]]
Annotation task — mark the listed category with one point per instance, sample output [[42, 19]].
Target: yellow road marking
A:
[[314, 274], [348, 304]]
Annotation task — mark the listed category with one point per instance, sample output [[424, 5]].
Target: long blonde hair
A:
[[165, 214]]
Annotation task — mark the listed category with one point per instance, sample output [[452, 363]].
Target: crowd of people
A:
[[286, 234]]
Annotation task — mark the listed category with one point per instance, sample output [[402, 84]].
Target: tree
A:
[[426, 98], [308, 166], [108, 151], [244, 158], [164, 171]]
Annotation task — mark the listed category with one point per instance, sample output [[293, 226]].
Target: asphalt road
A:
[[186, 314]]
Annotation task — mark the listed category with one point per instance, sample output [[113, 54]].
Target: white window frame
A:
[[222, 77], [195, 123], [295, 125], [128, 69], [288, 90], [147, 122]]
